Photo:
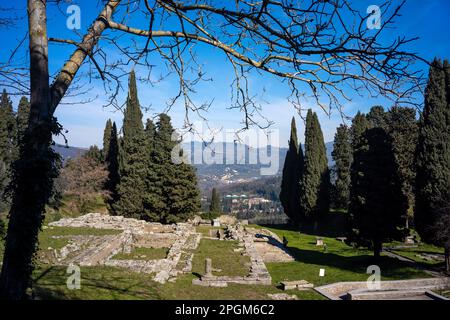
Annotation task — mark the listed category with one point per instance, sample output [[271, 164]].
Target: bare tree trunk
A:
[[447, 259], [36, 168], [32, 178], [377, 248]]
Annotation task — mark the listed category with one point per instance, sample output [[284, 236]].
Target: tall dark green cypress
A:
[[132, 158], [291, 178], [315, 199], [214, 206], [403, 130], [342, 156], [8, 145], [23, 114], [106, 138], [178, 181], [154, 202], [433, 152], [112, 162], [375, 205], [377, 117], [359, 145]]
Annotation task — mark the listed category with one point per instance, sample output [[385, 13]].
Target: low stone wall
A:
[[100, 250], [347, 290], [258, 272]]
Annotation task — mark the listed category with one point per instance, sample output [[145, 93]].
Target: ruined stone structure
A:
[[100, 250], [181, 239]]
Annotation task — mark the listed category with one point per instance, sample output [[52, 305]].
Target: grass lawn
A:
[[98, 283], [204, 230], [222, 256], [423, 248], [143, 254], [341, 262]]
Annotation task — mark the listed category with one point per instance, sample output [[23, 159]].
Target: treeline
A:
[[144, 182], [133, 172], [12, 128], [391, 172], [305, 184]]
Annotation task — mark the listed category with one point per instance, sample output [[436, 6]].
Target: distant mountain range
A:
[[68, 152], [215, 169]]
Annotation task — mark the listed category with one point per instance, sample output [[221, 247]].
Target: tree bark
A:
[[377, 247], [36, 168], [31, 177], [447, 259]]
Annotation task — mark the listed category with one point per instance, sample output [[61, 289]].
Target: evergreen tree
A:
[[342, 156], [359, 145], [8, 145], [132, 163], [316, 176], [377, 117], [403, 131], [23, 114], [375, 205], [433, 152], [359, 126], [214, 206], [95, 154], [291, 178], [112, 163], [154, 202], [106, 138], [178, 181]]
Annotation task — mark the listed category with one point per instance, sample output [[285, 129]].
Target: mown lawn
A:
[[223, 257], [414, 253], [108, 283], [340, 261]]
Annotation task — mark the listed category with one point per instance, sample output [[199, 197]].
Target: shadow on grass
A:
[[51, 283], [332, 226], [390, 267]]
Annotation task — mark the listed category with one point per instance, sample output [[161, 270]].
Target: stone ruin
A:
[[91, 250], [181, 239]]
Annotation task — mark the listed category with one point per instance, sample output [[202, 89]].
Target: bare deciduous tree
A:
[[320, 49]]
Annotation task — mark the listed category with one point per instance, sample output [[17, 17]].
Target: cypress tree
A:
[[154, 202], [433, 152], [112, 162], [178, 181], [342, 156], [8, 130], [23, 114], [403, 131], [316, 176], [359, 145], [214, 206], [291, 178], [8, 145], [132, 163], [377, 117], [106, 138], [376, 206]]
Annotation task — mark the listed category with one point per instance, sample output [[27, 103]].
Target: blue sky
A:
[[85, 122]]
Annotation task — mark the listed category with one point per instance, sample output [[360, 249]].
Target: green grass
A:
[[143, 254], [204, 230], [222, 256], [341, 262], [108, 283], [413, 252]]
